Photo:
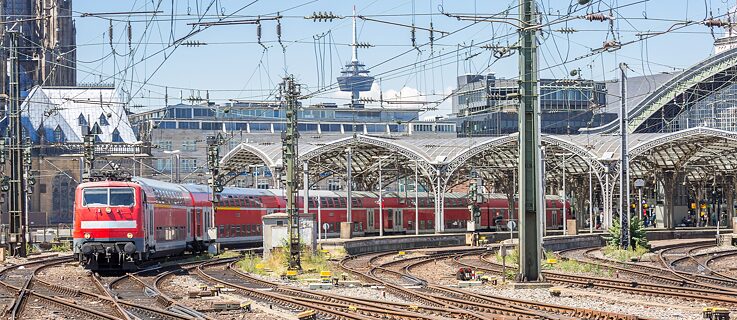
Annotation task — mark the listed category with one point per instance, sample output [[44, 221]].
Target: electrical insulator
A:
[[715, 23], [412, 37], [566, 30], [258, 31], [110, 33], [278, 29], [432, 37], [596, 17], [611, 45], [130, 35]]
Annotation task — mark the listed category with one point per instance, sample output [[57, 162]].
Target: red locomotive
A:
[[120, 223]]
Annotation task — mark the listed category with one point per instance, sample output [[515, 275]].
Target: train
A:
[[118, 224]]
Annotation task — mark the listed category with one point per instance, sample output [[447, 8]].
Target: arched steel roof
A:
[[451, 158], [700, 152], [679, 84]]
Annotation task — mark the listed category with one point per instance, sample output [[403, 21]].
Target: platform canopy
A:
[[448, 161]]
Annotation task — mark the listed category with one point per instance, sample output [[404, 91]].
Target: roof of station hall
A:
[[443, 148]]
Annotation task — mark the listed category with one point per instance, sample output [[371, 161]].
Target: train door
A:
[[149, 224], [398, 219], [189, 224], [554, 222], [198, 223], [390, 219], [369, 219]]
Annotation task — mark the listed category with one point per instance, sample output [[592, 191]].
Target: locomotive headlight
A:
[[130, 235], [87, 235], [108, 210]]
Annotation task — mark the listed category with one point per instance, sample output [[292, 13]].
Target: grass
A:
[[62, 247], [277, 264], [618, 254], [227, 254], [512, 258]]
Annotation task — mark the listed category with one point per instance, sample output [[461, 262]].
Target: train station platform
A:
[[555, 241]]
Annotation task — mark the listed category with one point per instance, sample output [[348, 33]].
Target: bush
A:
[[637, 234]]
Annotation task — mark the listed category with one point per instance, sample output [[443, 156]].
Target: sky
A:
[[160, 64]]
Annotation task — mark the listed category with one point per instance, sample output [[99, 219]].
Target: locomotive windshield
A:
[[108, 197]]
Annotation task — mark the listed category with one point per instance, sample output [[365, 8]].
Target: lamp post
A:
[[565, 194], [417, 208], [381, 200], [639, 184], [172, 155]]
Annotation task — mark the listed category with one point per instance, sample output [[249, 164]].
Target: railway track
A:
[[46, 297], [719, 297], [326, 305], [449, 297], [687, 264]]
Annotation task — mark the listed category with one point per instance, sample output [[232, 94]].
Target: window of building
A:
[[203, 112], [167, 125], [103, 120], [164, 144], [81, 120], [62, 200], [58, 134], [189, 125], [183, 113], [116, 136], [189, 145], [162, 165], [212, 126], [188, 165]]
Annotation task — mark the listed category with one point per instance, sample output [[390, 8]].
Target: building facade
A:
[[178, 133], [486, 105], [55, 121], [47, 44]]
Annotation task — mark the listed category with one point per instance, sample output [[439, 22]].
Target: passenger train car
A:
[[120, 223]]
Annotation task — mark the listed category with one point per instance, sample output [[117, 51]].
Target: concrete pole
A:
[[529, 154], [349, 185], [591, 200], [565, 197], [319, 218], [639, 202], [438, 220], [381, 204], [306, 205], [624, 163], [417, 203]]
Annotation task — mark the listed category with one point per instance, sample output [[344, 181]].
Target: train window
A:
[[355, 203], [258, 228], [95, 196], [422, 224], [343, 203], [121, 197], [429, 224], [324, 202], [108, 196]]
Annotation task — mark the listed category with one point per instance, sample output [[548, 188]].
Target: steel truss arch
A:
[[704, 132], [243, 155], [678, 85]]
